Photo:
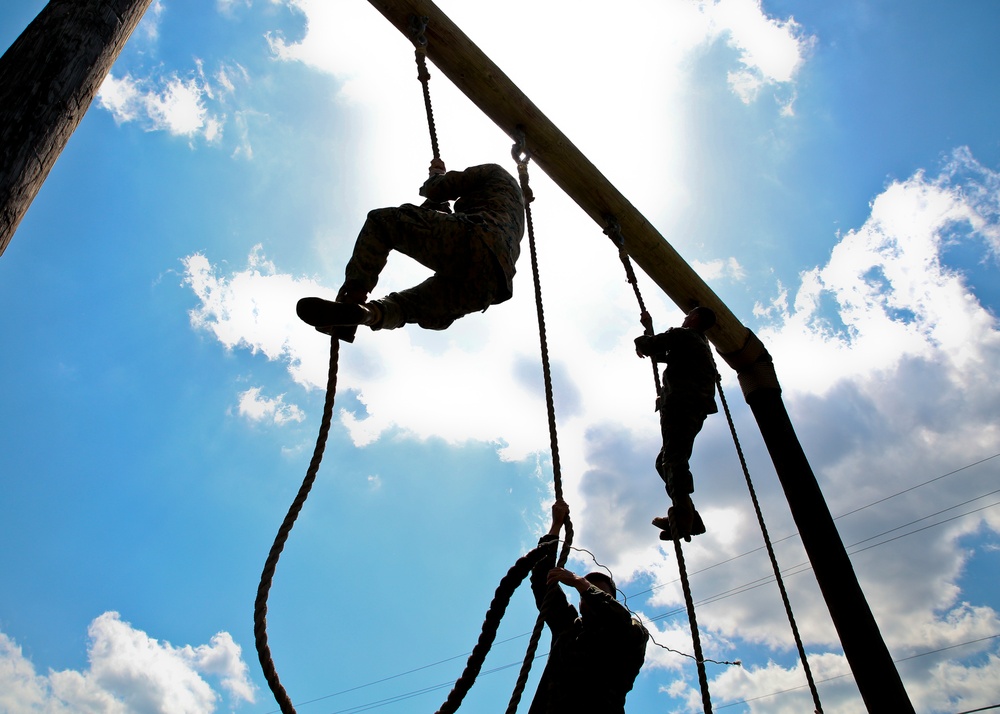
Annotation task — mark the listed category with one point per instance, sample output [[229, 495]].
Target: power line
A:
[[851, 674], [791, 571], [417, 692], [806, 566], [842, 515], [795, 570]]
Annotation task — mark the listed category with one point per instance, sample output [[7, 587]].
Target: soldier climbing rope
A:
[[613, 231]]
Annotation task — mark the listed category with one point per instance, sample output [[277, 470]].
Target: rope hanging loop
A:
[[519, 151], [521, 155], [418, 29]]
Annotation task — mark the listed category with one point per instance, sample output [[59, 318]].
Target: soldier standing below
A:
[[686, 398], [472, 251], [597, 652]]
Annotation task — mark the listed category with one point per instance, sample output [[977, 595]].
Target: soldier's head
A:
[[602, 581], [699, 319]]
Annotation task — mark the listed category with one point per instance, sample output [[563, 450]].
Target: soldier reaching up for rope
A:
[[472, 252], [686, 398], [596, 654]]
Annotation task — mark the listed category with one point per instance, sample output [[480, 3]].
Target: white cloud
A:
[[121, 97], [713, 270], [894, 298], [771, 51], [149, 26], [175, 104], [129, 673], [255, 407], [179, 108], [228, 7]]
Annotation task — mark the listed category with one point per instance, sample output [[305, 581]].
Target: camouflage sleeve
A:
[[445, 187], [559, 614], [657, 346]]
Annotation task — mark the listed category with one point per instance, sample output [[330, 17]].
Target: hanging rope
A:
[[699, 658], [418, 26], [260, 605], [613, 231], [770, 551], [501, 598], [521, 155]]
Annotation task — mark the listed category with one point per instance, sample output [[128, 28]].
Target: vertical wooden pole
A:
[[874, 671], [48, 78]]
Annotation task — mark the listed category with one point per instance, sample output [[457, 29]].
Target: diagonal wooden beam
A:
[[459, 59]]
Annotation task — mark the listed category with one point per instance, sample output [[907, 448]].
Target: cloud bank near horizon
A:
[[128, 673]]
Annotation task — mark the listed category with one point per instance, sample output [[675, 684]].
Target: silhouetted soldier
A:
[[596, 654], [686, 398], [471, 251]]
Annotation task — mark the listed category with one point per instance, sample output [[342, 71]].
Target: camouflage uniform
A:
[[594, 659], [472, 251], [686, 398]]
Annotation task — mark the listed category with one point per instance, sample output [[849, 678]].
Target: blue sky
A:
[[831, 170]]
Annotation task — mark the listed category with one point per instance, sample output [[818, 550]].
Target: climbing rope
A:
[[260, 605], [699, 657], [501, 598], [522, 156], [770, 551], [418, 26], [613, 231]]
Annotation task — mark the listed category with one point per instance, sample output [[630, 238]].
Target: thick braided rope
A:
[[501, 598], [418, 25], [522, 157], [770, 553], [614, 232], [529, 657], [699, 658], [423, 75], [536, 632], [522, 171], [260, 605]]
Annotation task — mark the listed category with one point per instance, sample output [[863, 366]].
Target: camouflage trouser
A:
[[467, 276], [679, 425]]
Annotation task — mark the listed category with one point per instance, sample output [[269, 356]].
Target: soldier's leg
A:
[[429, 237], [371, 251], [467, 283], [679, 429]]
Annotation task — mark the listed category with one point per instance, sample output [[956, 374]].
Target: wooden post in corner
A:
[[48, 78]]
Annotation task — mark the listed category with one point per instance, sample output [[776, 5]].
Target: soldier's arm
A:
[[447, 186], [655, 346]]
